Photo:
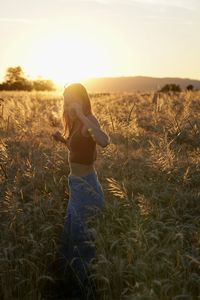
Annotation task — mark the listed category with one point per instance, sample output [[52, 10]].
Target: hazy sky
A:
[[67, 40]]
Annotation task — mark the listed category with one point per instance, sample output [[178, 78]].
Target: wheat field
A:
[[147, 237]]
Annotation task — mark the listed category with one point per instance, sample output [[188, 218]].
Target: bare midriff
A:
[[77, 169]]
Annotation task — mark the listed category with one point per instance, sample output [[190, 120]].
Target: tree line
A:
[[15, 79], [171, 87]]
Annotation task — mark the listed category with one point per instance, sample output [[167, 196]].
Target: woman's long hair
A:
[[80, 92]]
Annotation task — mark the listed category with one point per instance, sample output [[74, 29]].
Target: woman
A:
[[86, 196]]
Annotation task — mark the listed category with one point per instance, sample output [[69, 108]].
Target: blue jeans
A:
[[86, 199]]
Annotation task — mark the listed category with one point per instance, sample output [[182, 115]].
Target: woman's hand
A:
[[58, 136]]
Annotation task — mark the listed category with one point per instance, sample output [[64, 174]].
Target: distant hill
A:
[[135, 83]]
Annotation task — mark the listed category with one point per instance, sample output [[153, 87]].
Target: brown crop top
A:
[[82, 149]]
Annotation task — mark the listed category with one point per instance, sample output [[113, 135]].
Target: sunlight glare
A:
[[67, 59]]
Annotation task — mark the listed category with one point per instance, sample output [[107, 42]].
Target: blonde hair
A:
[[78, 91]]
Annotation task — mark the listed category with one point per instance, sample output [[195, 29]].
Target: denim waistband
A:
[[93, 173]]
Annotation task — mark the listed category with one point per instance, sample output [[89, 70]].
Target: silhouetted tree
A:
[[43, 85], [170, 88], [190, 87], [14, 75], [15, 80]]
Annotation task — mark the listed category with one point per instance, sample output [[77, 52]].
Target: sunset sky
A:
[[68, 40]]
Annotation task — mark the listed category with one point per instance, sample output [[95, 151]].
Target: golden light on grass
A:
[[149, 228]]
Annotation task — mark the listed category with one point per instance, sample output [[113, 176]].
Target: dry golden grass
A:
[[148, 236]]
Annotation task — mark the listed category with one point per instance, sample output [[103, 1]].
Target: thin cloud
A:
[[103, 2], [188, 5], [15, 20], [191, 5]]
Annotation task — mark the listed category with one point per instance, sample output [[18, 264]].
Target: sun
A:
[[65, 59]]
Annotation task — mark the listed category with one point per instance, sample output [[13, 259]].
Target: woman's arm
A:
[[92, 125], [95, 131], [60, 138]]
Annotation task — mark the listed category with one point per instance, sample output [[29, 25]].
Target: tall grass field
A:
[[148, 235]]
